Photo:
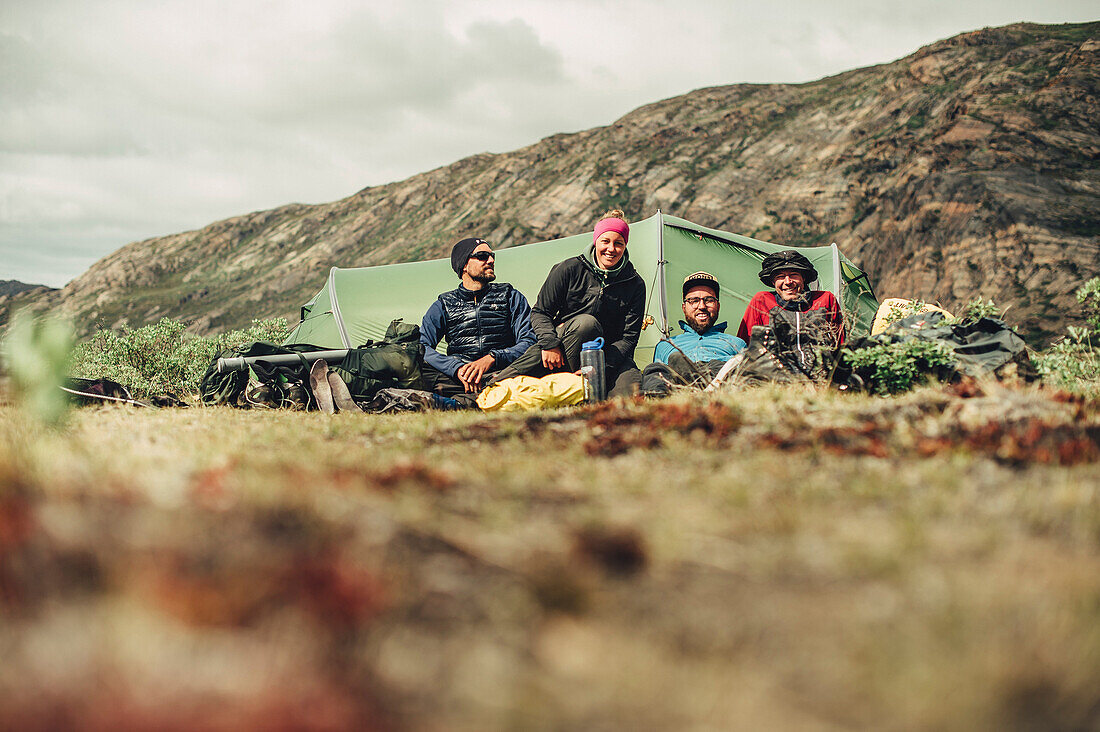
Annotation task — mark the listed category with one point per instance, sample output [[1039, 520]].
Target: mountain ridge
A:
[[15, 287], [966, 168]]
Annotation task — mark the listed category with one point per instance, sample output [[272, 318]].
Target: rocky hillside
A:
[[15, 287], [968, 168]]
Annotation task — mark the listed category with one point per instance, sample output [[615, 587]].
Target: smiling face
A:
[[609, 249], [478, 270], [701, 307], [789, 283]]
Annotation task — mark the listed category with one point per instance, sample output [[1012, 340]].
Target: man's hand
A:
[[553, 359], [471, 374]]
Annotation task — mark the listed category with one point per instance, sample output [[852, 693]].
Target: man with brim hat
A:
[[789, 273], [699, 352], [486, 324]]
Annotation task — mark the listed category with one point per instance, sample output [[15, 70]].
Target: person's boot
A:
[[340, 394], [262, 396], [318, 384], [295, 397]]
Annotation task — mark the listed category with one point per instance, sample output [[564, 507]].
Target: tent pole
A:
[[336, 309], [661, 272], [240, 363], [838, 275]]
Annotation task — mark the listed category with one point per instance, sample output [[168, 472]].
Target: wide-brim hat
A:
[[773, 264]]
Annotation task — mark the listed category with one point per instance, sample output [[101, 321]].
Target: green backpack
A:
[[393, 362]]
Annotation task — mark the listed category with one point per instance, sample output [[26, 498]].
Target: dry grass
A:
[[764, 560]]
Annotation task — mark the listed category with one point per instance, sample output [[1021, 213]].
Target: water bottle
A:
[[592, 369]]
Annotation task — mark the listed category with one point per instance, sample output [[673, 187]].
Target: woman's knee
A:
[[586, 326]]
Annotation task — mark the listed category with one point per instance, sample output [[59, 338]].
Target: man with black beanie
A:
[[486, 324]]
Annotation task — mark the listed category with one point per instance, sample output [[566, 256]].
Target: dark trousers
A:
[[623, 381], [449, 386]]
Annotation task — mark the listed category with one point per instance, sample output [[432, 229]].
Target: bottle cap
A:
[[595, 345]]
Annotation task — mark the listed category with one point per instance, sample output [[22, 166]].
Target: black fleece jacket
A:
[[573, 288]]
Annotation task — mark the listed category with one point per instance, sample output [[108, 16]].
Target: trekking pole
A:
[[240, 363]]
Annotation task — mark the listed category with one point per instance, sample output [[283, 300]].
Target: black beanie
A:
[[461, 253], [773, 264]]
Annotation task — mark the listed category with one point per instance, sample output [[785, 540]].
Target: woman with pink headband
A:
[[597, 294]]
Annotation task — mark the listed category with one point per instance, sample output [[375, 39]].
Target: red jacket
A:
[[760, 306]]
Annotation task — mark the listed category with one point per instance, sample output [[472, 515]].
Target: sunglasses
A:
[[482, 256]]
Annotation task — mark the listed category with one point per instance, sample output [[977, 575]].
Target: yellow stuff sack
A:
[[893, 308], [526, 393]]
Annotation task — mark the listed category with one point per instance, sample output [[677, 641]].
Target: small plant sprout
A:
[[36, 354]]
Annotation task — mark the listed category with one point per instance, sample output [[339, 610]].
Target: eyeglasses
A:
[[483, 256], [697, 301]]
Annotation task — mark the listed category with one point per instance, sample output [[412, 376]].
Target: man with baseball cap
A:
[[700, 351], [486, 324], [789, 273]]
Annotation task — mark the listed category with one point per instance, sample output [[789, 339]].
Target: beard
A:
[[485, 276], [701, 322]]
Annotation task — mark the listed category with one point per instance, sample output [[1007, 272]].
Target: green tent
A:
[[357, 305]]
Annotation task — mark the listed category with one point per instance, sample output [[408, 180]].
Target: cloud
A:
[[125, 119]]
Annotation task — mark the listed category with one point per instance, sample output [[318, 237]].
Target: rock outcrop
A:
[[968, 168]]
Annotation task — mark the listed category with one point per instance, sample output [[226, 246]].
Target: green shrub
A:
[[1074, 361], [1089, 297], [891, 368], [163, 357], [976, 309]]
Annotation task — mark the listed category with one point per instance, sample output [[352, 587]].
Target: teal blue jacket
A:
[[714, 344]]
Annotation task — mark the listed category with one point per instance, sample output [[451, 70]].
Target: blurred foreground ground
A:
[[767, 560]]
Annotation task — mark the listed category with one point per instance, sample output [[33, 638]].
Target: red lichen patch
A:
[[1066, 397], [17, 522], [619, 551], [208, 488], [18, 558], [201, 593], [197, 593], [1036, 441], [616, 429], [1015, 441], [312, 702], [617, 441], [334, 590], [930, 446], [714, 420], [1085, 406], [414, 473], [867, 439], [967, 387]]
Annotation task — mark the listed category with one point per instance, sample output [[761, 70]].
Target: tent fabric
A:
[[357, 304]]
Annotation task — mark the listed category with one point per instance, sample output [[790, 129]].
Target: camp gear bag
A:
[[793, 347], [393, 362], [981, 347], [282, 385]]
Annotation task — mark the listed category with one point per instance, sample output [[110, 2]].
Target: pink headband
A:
[[612, 225]]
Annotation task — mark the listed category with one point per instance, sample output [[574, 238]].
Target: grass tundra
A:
[[761, 559]]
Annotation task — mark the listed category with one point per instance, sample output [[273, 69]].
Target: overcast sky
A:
[[126, 119]]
